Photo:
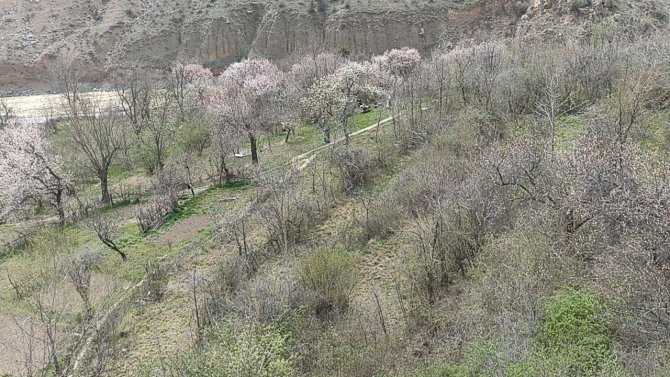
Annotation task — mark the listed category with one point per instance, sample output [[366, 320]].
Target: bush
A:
[[228, 276], [379, 217], [156, 280], [269, 295], [228, 350], [286, 213], [354, 165], [151, 215], [330, 278], [573, 330]]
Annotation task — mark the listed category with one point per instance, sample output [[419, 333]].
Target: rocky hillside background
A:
[[121, 33]]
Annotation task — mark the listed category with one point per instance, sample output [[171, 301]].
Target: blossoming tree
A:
[[31, 171], [397, 69], [335, 98], [245, 97]]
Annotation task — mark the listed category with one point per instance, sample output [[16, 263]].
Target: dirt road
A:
[[45, 106]]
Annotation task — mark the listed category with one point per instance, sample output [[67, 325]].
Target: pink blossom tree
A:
[[31, 171], [187, 84], [397, 69], [311, 68], [245, 98], [400, 63]]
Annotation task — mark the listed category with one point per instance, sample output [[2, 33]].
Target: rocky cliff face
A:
[[117, 33], [277, 31]]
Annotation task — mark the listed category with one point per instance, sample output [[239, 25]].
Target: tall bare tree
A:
[[66, 76], [98, 133], [135, 91]]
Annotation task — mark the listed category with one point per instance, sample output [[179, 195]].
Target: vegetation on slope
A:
[[509, 219]]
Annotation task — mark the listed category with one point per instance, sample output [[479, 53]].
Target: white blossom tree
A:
[[302, 76], [320, 105], [335, 98], [30, 171], [187, 84], [246, 96]]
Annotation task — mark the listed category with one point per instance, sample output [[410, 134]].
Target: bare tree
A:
[[135, 91], [98, 133], [554, 100], [225, 140], [104, 227], [6, 114], [66, 75], [159, 131]]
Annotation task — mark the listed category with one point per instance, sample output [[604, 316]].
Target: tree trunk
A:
[[288, 133], [345, 127], [123, 255], [59, 208], [224, 173], [105, 197], [254, 149], [326, 135]]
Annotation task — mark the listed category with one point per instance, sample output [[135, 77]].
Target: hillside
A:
[[494, 202]]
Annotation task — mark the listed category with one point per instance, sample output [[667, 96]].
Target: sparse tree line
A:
[[177, 123]]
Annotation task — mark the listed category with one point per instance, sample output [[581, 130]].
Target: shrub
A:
[[573, 330], [379, 216], [286, 213], [229, 350], [269, 295], [228, 276], [151, 215], [330, 278], [156, 280], [354, 165]]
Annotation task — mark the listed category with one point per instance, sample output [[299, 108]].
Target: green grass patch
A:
[[655, 131], [568, 129], [573, 330]]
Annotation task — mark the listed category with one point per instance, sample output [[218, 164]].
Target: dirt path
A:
[[50, 105], [306, 157]]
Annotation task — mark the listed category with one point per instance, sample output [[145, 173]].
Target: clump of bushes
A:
[[355, 167], [329, 277], [230, 349]]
